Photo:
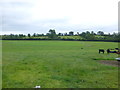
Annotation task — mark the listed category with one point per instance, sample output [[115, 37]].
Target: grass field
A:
[[0, 64], [57, 64]]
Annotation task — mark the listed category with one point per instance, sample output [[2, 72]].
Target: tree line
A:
[[51, 35]]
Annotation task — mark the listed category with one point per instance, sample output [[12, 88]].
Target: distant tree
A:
[[34, 35], [83, 34], [37, 35], [87, 32], [92, 32], [42, 34], [21, 35], [100, 33], [11, 36], [52, 34], [71, 33], [29, 35], [116, 36], [87, 35], [65, 34], [60, 34], [47, 34], [78, 33], [109, 34]]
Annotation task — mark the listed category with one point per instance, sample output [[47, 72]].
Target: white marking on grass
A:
[[37, 86], [117, 59]]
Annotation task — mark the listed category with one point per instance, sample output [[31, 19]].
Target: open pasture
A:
[[57, 64]]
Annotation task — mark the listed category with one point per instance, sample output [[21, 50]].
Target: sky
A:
[[39, 16]]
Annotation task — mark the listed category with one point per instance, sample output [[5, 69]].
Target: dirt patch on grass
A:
[[110, 62]]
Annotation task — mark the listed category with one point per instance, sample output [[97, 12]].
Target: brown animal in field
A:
[[112, 50], [118, 52]]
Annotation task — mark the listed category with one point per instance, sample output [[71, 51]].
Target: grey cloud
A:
[[11, 22], [62, 26], [15, 4], [21, 4]]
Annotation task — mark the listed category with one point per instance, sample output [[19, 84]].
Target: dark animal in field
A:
[[101, 50], [109, 51], [113, 52], [117, 48]]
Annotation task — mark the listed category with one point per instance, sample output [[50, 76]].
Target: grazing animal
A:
[[113, 51], [108, 51], [117, 48], [101, 50], [118, 52]]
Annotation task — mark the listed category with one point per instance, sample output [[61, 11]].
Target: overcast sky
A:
[[38, 16]]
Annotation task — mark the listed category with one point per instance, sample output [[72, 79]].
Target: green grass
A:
[[0, 64], [57, 64]]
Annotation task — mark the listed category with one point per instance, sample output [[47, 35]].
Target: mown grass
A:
[[0, 64], [57, 64]]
